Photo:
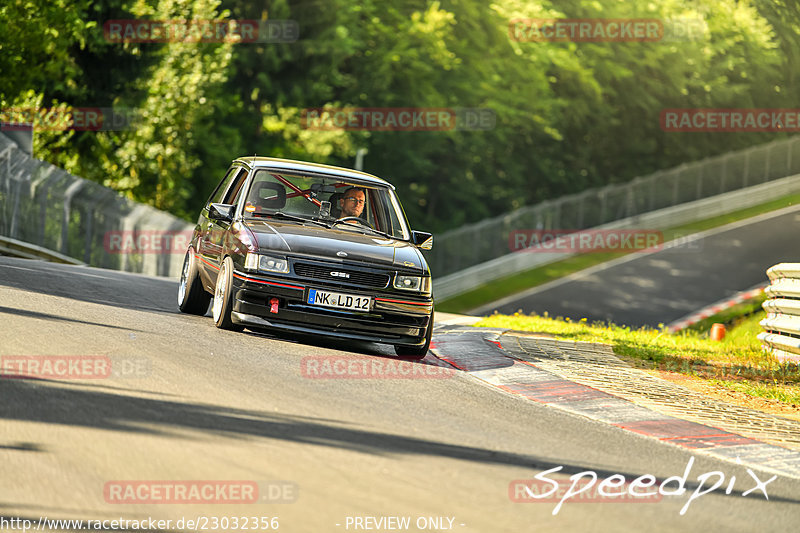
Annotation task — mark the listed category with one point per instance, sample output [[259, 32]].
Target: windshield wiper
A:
[[363, 226], [379, 232], [287, 216]]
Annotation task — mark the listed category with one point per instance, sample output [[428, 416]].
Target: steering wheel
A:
[[357, 219]]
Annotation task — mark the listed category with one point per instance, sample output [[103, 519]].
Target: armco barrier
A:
[[26, 250], [512, 263], [781, 334], [476, 244], [46, 207]]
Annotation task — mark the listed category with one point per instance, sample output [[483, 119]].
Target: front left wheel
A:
[[416, 353], [223, 297]]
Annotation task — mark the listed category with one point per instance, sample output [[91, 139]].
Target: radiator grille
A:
[[356, 277]]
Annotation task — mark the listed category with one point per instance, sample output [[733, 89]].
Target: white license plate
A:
[[339, 300]]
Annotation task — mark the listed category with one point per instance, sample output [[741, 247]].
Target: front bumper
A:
[[394, 319]]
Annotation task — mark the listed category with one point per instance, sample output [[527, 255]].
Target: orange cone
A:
[[717, 332]]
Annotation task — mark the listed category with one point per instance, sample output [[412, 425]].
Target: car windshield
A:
[[326, 199]]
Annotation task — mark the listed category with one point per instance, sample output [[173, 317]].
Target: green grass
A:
[[499, 288], [507, 286], [785, 394], [737, 362]]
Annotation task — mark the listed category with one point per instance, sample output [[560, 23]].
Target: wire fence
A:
[[44, 205], [477, 243]]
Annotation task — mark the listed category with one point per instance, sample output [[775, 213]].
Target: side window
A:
[[379, 209], [240, 194], [216, 196], [233, 192]]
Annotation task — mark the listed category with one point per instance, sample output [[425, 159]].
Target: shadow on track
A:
[[54, 402]]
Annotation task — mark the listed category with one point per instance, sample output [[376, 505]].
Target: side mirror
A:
[[221, 212], [422, 239]]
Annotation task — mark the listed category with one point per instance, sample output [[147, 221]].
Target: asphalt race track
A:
[[648, 289], [188, 402]]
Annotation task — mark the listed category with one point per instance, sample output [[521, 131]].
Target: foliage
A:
[[569, 115]]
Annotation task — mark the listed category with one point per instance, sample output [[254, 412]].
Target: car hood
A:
[[322, 243]]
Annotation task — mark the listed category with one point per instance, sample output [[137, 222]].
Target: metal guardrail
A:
[[15, 248], [45, 206], [474, 244], [448, 286], [781, 334]]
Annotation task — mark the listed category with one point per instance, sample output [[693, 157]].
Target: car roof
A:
[[305, 167]]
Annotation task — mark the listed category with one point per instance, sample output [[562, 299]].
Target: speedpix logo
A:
[[586, 486]]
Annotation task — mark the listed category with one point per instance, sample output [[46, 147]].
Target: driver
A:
[[352, 202]]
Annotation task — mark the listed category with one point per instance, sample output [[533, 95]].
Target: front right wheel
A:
[[416, 353]]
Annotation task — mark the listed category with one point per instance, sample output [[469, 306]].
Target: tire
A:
[[192, 298], [416, 353], [223, 297]]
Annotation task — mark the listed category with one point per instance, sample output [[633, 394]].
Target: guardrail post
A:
[[766, 163], [631, 199], [603, 202], [63, 245], [43, 206], [746, 169], [652, 197], [676, 180], [581, 210], [701, 173]]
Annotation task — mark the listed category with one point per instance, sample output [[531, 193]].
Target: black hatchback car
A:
[[310, 248]]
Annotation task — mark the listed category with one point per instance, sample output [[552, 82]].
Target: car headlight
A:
[[266, 263], [413, 283]]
